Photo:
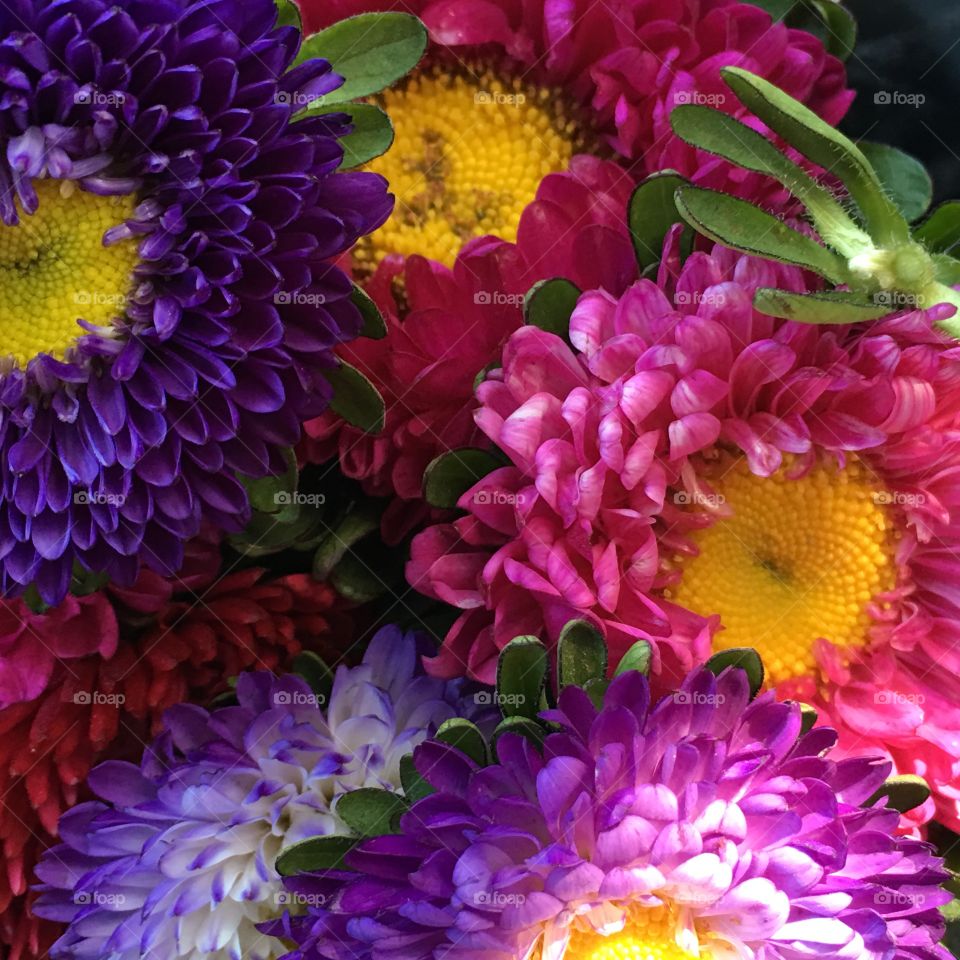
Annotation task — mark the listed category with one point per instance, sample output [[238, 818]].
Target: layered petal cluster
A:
[[701, 825], [161, 135], [444, 327], [630, 62], [830, 454], [176, 858], [179, 640]]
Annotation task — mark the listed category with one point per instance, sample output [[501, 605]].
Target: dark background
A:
[[910, 47]]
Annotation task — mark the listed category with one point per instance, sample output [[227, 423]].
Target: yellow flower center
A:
[[799, 559], [55, 270], [650, 934], [470, 151]]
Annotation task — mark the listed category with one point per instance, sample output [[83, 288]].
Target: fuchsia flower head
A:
[[692, 467]]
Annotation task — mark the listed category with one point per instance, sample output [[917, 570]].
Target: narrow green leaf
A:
[[315, 855], [316, 672], [825, 146], [356, 399], [414, 786], [636, 658], [777, 9], [940, 232], [274, 494], [902, 793], [521, 674], [829, 21], [808, 718], [651, 213], [356, 581], [350, 530], [738, 224], [371, 136], [449, 476], [727, 137], [596, 690], [288, 14], [370, 812], [904, 177], [549, 304], [581, 654], [823, 307], [524, 726], [466, 737], [373, 327], [370, 51], [744, 658]]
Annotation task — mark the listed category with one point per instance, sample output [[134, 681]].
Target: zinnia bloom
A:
[[512, 90], [796, 486], [168, 298], [703, 826], [180, 640], [178, 859], [446, 326]]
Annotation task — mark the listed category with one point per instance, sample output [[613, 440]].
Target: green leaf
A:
[[904, 177], [267, 534], [521, 674], [940, 232], [356, 581], [449, 476], [356, 399], [370, 812], [414, 786], [902, 793], [808, 718], [549, 304], [581, 654], [288, 15], [829, 21], [948, 269], [651, 213], [314, 855], [274, 494], [352, 528], [777, 9], [825, 146], [744, 658], [596, 690], [823, 307], [524, 726], [373, 326], [727, 137], [315, 671], [466, 737], [371, 136], [636, 658], [738, 224], [371, 51]]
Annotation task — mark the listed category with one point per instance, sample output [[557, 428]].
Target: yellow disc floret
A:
[[650, 934], [55, 270], [800, 558], [470, 151]]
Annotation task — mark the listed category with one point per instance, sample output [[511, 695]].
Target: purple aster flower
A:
[[704, 826], [177, 861], [168, 299]]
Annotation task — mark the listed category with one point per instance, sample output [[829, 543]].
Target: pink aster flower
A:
[[693, 467], [628, 63], [445, 326]]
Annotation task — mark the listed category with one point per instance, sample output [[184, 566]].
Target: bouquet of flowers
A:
[[481, 481]]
